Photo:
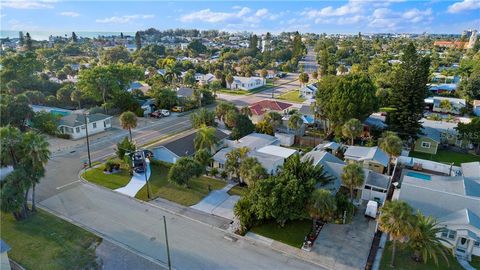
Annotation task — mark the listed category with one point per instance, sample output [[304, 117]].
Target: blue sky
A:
[[257, 16]]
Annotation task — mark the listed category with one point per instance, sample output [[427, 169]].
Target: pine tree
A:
[[138, 40], [253, 42], [28, 42], [409, 91], [21, 38], [74, 37]]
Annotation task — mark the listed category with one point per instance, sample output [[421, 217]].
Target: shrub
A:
[[139, 112], [224, 175], [214, 172], [112, 164], [64, 136]]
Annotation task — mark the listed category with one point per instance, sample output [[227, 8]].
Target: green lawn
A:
[[293, 233], [292, 96], [161, 187], [238, 190], [403, 261], [43, 241], [446, 156], [111, 181], [233, 92]]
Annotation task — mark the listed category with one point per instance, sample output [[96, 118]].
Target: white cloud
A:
[[387, 19], [240, 15], [352, 7], [464, 6], [124, 19], [21, 25], [25, 4], [70, 14]]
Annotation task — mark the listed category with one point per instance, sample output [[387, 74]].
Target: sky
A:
[[368, 16]]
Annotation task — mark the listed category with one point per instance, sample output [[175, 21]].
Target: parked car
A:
[[156, 114], [177, 109], [165, 112], [372, 209]]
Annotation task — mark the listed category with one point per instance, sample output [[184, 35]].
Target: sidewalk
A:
[[219, 203]]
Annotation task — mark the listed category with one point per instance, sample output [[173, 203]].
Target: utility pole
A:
[[85, 115], [146, 169], [166, 241]]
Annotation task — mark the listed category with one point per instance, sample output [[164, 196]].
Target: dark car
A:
[[157, 114]]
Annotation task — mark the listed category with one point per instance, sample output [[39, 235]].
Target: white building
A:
[[246, 83], [456, 104], [308, 91], [74, 124]]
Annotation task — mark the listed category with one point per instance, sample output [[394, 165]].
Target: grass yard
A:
[[111, 181], [446, 156], [233, 92], [238, 190], [161, 187], [291, 96], [293, 233], [43, 241], [403, 261]]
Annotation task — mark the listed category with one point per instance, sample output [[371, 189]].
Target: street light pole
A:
[[85, 115], [166, 241], [146, 169]]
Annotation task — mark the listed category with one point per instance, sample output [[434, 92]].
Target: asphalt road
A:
[[309, 62], [138, 227]]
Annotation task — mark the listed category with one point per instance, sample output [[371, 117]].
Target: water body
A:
[[43, 35]]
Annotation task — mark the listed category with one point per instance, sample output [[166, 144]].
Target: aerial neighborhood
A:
[[234, 149]]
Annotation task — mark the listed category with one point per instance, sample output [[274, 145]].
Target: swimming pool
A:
[[422, 176]]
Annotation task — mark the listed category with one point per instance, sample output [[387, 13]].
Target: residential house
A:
[[331, 147], [308, 115], [442, 88], [204, 79], [185, 92], [456, 104], [246, 83], [74, 124], [453, 200], [263, 147], [435, 133], [139, 86], [270, 73], [372, 158], [260, 108], [183, 146], [476, 107], [308, 91]]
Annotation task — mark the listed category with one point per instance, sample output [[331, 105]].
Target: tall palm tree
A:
[[425, 241], [274, 118], [205, 138], [251, 171], [398, 220], [233, 160], [322, 205], [264, 127], [352, 129], [128, 120], [36, 156], [295, 122], [12, 194], [11, 145], [352, 177], [245, 110], [392, 145]]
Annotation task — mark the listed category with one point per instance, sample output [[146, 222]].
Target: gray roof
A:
[[461, 217], [328, 145], [305, 110], [77, 120], [377, 180], [320, 157], [471, 169], [184, 146], [433, 129], [360, 153], [267, 160], [185, 92], [253, 141]]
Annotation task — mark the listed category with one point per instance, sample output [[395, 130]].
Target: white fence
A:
[[430, 165]]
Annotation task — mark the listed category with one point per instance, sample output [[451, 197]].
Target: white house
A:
[[246, 83], [456, 104], [308, 91], [74, 124], [453, 200]]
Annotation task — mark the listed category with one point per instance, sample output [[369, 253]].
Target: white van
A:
[[372, 208]]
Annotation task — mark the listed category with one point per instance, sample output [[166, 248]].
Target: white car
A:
[[372, 209], [165, 112]]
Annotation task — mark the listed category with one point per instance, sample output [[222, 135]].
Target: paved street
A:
[[136, 226], [289, 83], [310, 61]]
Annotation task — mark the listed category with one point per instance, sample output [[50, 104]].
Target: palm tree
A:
[[233, 160], [264, 127], [245, 110], [128, 120], [322, 205], [251, 171], [352, 177], [203, 157], [425, 241], [205, 138], [295, 122], [274, 118], [397, 219], [392, 145], [352, 129], [10, 145], [229, 79], [36, 156], [12, 194], [303, 78]]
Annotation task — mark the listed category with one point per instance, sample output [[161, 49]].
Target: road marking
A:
[[66, 185]]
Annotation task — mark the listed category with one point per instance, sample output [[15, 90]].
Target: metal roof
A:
[[76, 119]]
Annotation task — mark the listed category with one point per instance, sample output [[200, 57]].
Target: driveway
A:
[[346, 246], [136, 183], [219, 203]]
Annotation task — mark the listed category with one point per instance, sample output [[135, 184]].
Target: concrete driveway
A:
[[219, 203], [346, 246]]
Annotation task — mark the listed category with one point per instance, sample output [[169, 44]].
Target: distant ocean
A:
[[43, 35]]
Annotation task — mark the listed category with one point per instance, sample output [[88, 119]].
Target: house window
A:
[[77, 130], [221, 166], [452, 234], [94, 125], [445, 233], [104, 124], [426, 144], [68, 130], [477, 244]]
